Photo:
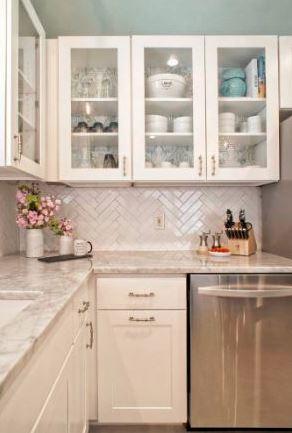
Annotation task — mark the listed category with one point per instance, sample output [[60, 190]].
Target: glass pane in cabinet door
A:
[[28, 86], [168, 108], [94, 108], [242, 107]]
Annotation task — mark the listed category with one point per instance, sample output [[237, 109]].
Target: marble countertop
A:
[[185, 262], [54, 284]]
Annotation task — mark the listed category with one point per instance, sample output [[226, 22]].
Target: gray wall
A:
[[123, 17]]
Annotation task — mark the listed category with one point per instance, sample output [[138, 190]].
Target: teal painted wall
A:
[[124, 17]]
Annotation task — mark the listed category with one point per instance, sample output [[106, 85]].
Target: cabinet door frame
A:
[[196, 43], [12, 157], [176, 412], [271, 172], [285, 68], [3, 37], [122, 44]]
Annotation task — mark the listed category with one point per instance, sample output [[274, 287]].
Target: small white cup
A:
[[254, 124], [244, 127], [81, 247]]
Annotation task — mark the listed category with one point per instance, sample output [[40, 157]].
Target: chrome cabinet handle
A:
[[85, 307], [141, 295], [90, 345], [124, 166], [200, 165], [213, 165], [19, 147], [138, 319]]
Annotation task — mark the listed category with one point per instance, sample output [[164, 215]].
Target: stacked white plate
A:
[[183, 124], [156, 123], [166, 86], [226, 122]]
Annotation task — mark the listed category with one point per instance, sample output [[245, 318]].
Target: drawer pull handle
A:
[[89, 346], [85, 307], [137, 319], [141, 295]]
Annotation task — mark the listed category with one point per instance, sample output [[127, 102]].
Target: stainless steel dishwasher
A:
[[240, 358]]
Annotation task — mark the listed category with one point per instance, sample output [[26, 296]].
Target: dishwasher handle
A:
[[282, 292]]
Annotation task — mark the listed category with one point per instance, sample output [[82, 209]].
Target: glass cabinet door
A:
[[94, 118], [242, 108], [168, 108], [28, 89]]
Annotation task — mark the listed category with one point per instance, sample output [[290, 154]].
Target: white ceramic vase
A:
[[34, 243], [65, 245]]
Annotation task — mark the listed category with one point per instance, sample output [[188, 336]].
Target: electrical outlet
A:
[[159, 220]]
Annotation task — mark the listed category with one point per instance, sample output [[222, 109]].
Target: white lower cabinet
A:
[[141, 358], [77, 416], [65, 408], [54, 417]]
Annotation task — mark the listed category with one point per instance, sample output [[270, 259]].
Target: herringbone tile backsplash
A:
[[9, 242], [123, 218]]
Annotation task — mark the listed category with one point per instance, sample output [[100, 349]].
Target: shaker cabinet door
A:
[[25, 84], [54, 416], [168, 84], [77, 385], [141, 366], [94, 110], [242, 109]]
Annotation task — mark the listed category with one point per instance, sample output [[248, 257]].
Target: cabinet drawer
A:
[[141, 293]]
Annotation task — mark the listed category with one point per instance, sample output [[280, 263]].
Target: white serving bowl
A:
[[183, 124], [156, 123], [166, 86]]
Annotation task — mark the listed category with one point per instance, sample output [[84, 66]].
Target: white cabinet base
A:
[[142, 366]]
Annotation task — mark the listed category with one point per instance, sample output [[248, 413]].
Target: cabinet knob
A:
[[18, 137], [124, 166], [140, 319], [84, 308], [200, 165], [213, 159], [141, 295], [90, 345]]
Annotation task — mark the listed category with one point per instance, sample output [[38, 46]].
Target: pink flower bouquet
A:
[[34, 209], [61, 226]]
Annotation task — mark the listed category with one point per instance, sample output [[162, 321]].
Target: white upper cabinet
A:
[[94, 109], [285, 59], [22, 121], [168, 97], [242, 109]]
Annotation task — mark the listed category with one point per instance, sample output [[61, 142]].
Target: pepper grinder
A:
[[217, 239], [203, 248]]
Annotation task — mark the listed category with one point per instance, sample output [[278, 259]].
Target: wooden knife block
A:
[[243, 247]]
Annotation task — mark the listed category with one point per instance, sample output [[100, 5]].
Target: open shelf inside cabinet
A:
[[169, 138], [242, 105], [96, 138], [169, 106], [95, 106], [247, 139]]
